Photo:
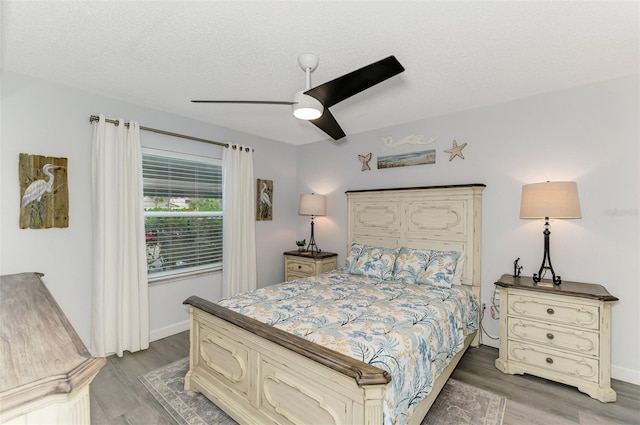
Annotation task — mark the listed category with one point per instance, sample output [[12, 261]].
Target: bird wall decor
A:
[[37, 188], [44, 193], [264, 208]]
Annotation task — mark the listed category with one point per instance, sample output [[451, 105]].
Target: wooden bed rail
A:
[[362, 373]]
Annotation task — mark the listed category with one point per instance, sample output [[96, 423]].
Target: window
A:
[[182, 213]]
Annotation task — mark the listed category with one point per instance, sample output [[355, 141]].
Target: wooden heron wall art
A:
[[264, 201], [44, 194]]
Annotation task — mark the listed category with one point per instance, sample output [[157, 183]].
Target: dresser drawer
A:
[[554, 364], [554, 310], [554, 336], [307, 268]]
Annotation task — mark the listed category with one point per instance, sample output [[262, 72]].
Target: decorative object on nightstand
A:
[[517, 268], [313, 205], [549, 200], [562, 333], [304, 264]]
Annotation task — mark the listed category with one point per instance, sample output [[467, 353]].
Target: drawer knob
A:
[[549, 360], [299, 266], [550, 311], [549, 336]]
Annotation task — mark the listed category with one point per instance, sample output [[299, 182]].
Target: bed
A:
[[259, 373]]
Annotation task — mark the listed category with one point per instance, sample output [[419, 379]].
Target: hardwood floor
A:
[[532, 400], [117, 397]]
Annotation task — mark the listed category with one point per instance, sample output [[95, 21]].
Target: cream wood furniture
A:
[[304, 264], [45, 369], [260, 374], [558, 332]]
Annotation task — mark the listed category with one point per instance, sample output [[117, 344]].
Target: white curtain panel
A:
[[120, 290], [239, 224]]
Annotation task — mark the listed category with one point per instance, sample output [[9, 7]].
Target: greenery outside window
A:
[[183, 213]]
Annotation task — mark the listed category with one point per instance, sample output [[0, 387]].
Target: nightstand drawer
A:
[[554, 364], [307, 268], [294, 276], [554, 336], [555, 310], [305, 264]]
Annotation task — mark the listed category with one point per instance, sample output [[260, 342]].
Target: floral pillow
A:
[[371, 261], [457, 276], [425, 266]]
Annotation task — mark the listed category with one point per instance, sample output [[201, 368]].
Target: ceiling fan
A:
[[313, 104]]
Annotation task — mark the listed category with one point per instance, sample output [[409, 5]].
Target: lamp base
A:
[[312, 247], [546, 259], [556, 279]]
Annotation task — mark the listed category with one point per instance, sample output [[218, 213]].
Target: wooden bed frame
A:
[[260, 374]]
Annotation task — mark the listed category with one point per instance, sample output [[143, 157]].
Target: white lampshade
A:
[[550, 199], [306, 107], [312, 205]]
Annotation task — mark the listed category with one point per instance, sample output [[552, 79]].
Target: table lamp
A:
[[313, 205], [549, 200]]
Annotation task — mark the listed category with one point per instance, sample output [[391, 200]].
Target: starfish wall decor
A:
[[455, 150]]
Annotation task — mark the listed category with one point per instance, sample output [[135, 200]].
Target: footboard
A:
[[260, 374]]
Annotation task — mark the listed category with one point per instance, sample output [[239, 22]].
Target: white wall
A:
[[588, 134], [41, 118]]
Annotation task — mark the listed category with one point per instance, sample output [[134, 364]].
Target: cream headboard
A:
[[438, 217]]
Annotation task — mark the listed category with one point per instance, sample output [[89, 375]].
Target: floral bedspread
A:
[[412, 331]]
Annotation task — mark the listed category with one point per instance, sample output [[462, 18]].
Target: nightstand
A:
[[558, 332], [304, 264]]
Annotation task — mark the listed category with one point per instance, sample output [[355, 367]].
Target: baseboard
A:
[[627, 375], [166, 331]]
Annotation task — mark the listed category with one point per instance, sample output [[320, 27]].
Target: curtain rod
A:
[[93, 118]]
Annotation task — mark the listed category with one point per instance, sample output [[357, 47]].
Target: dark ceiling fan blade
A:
[[341, 88], [329, 125], [257, 102]]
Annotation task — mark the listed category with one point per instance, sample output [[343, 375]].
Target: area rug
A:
[[457, 404]]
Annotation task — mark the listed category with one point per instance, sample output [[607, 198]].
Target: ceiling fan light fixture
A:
[[305, 104], [306, 107]]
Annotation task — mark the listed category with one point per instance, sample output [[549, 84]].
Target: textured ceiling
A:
[[457, 55]]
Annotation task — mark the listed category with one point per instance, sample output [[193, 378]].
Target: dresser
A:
[[45, 369], [304, 264], [558, 332]]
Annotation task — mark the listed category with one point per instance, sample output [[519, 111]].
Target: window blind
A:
[[166, 176], [183, 214]]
